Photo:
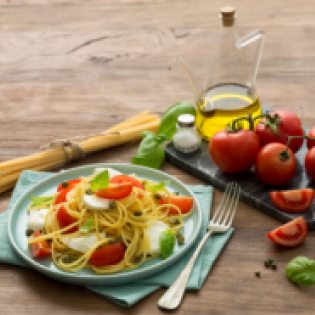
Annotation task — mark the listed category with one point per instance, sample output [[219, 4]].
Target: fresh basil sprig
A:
[[157, 187], [151, 152], [37, 201], [87, 226], [100, 181], [301, 270]]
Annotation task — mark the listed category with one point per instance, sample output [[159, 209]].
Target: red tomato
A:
[[290, 234], [115, 191], [234, 152], [62, 195], [65, 219], [71, 183], [40, 249], [184, 203], [311, 143], [293, 200], [271, 169], [108, 255], [310, 163], [119, 179], [290, 125]]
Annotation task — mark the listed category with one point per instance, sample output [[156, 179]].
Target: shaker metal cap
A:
[[186, 120]]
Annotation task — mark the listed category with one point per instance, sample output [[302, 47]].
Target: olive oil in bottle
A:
[[222, 104]]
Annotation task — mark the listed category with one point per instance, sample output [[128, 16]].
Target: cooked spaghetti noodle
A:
[[127, 221]]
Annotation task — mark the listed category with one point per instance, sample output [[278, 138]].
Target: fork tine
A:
[[235, 206], [226, 204], [231, 205], [222, 203]]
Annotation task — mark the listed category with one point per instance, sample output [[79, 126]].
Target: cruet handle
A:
[[259, 35]]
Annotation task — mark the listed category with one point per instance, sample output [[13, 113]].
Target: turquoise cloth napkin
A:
[[127, 295]]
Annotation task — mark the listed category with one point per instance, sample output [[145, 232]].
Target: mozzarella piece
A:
[[84, 243], [95, 203], [111, 172], [154, 234], [36, 219]]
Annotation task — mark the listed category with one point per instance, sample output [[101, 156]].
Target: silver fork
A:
[[220, 223]]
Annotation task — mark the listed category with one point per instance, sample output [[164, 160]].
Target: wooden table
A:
[[77, 67]]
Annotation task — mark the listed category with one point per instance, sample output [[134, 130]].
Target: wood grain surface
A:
[[70, 67]]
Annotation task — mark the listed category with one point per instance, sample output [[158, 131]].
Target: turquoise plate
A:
[[17, 226]]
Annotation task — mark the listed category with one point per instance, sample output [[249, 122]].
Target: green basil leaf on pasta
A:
[[301, 270], [37, 201], [100, 181], [87, 226], [157, 187]]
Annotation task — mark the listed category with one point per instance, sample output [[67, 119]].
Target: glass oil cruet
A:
[[229, 90]]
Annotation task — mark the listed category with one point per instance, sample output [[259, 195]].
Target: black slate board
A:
[[254, 191]]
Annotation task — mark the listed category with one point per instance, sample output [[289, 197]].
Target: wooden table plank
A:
[[77, 67]]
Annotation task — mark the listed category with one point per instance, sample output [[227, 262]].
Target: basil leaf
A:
[[157, 187], [150, 152], [87, 226], [301, 270], [37, 201], [100, 181], [169, 119]]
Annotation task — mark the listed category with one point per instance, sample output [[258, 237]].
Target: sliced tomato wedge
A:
[[61, 197], [293, 200], [65, 219], [120, 179], [184, 203], [290, 234], [71, 183], [115, 191], [108, 255], [40, 249]]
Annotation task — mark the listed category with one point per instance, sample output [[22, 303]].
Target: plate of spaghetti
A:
[[104, 224]]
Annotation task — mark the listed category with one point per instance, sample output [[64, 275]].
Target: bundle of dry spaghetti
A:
[[63, 151]]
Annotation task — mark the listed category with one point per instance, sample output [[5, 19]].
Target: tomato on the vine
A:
[[274, 165], [234, 151], [279, 124], [311, 143], [293, 200], [310, 163]]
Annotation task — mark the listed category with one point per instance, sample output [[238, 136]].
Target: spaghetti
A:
[[119, 238]]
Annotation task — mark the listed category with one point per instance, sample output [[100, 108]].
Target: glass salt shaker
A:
[[186, 138]]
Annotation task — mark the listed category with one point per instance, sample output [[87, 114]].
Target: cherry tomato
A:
[[234, 152], [271, 169], [115, 191], [70, 183], [61, 197], [40, 249], [184, 203], [108, 255], [310, 163], [293, 200], [288, 124], [290, 234], [119, 179], [65, 219], [311, 143]]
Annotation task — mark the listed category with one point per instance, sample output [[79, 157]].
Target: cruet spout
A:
[[193, 82]]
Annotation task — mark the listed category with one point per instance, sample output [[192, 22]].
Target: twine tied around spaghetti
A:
[[77, 153]]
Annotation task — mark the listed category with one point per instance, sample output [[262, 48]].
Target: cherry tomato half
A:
[[271, 169], [290, 125], [62, 196], [293, 200], [65, 219], [40, 249], [184, 203], [290, 234], [234, 152], [108, 255], [115, 191], [70, 183], [120, 179]]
